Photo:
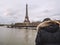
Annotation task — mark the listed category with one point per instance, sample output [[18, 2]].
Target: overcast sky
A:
[[14, 10]]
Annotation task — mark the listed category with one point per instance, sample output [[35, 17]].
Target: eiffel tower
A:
[[26, 17]]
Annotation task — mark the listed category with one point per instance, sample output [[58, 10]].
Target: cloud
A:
[[15, 10]]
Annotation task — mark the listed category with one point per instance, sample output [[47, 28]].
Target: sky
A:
[[12, 11]]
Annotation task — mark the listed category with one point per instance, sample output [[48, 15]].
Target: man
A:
[[48, 33]]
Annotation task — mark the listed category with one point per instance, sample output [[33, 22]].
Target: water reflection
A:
[[11, 36]]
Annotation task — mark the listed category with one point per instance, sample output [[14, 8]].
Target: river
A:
[[13, 36]]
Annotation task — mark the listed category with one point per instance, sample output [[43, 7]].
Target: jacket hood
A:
[[49, 26]]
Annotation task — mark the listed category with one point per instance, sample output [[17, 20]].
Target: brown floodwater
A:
[[13, 36]]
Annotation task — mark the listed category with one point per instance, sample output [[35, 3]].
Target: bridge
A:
[[23, 25]]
